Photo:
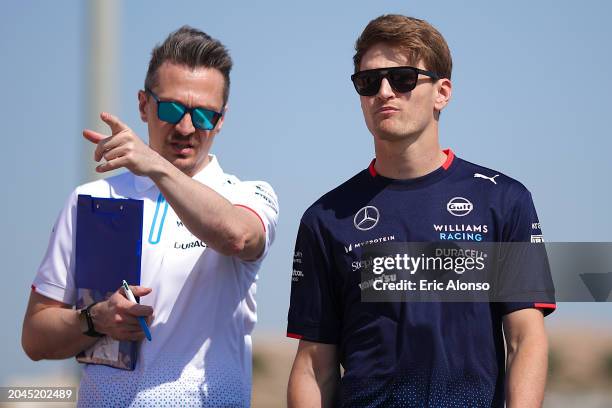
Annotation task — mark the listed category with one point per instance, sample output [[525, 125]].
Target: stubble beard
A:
[[394, 131]]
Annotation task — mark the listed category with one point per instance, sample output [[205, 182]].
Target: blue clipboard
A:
[[108, 242], [108, 250]]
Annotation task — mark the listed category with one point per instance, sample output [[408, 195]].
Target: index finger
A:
[[113, 122]]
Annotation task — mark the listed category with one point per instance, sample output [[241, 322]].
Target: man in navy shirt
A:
[[436, 354]]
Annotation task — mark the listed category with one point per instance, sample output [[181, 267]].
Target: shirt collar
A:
[[209, 173]]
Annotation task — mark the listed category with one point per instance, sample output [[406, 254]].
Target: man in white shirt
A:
[[205, 234]]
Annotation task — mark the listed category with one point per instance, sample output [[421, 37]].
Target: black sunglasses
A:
[[401, 79], [173, 112]]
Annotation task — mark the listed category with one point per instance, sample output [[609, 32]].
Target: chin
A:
[[391, 134]]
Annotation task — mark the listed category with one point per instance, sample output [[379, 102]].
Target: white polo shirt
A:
[[203, 301]]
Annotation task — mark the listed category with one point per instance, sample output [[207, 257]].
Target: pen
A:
[[141, 320]]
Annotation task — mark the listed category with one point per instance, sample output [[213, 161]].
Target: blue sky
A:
[[531, 84]]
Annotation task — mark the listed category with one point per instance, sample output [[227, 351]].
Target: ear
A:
[[443, 95], [142, 105]]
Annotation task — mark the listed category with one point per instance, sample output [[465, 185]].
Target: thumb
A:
[[113, 122]]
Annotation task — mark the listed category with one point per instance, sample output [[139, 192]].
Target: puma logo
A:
[[492, 179]]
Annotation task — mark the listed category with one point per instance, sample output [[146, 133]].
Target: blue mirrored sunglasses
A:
[[173, 112]]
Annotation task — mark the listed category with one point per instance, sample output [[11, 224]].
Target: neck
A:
[[408, 158]]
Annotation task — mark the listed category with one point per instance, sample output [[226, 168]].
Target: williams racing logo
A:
[[461, 232]]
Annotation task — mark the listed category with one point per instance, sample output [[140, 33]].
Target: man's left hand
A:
[[122, 149]]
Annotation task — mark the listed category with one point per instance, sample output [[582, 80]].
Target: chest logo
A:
[[366, 218], [482, 176], [459, 206]]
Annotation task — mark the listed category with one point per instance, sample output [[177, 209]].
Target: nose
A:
[[385, 90], [185, 126]]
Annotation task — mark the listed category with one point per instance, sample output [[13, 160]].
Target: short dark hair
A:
[[416, 37], [193, 48]]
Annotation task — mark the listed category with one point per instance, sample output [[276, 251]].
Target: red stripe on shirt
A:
[[449, 158], [450, 155], [372, 169], [545, 305]]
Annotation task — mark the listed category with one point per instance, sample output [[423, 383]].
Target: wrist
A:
[[160, 167], [87, 322]]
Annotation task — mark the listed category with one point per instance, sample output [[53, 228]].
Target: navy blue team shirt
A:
[[408, 353]]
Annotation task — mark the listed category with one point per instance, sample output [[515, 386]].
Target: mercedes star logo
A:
[[366, 218]]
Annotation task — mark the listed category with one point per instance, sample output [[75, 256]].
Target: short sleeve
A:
[[260, 198], [313, 310], [55, 276], [526, 280]]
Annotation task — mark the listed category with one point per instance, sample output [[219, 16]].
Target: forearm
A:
[[54, 333], [207, 214], [527, 367], [306, 389], [226, 228]]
